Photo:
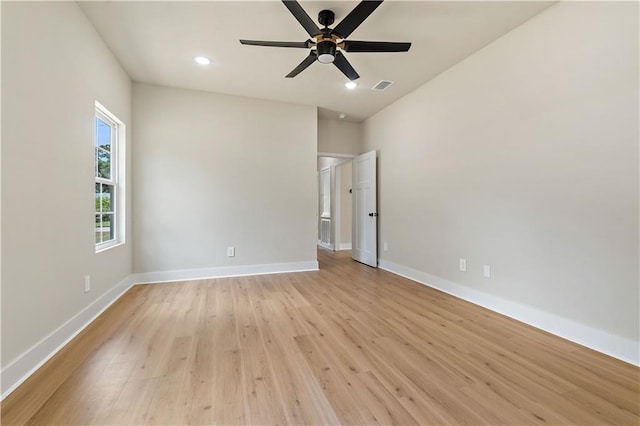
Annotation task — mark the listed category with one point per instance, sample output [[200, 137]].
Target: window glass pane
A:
[[106, 198], [98, 196], [108, 227], [103, 149], [104, 163], [105, 219], [98, 230]]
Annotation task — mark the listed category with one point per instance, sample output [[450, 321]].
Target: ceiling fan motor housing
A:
[[326, 51], [326, 17]]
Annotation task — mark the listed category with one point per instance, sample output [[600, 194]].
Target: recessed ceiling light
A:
[[202, 60], [351, 85], [343, 115]]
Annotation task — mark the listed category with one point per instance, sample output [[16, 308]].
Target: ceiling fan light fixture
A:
[[324, 42], [326, 52], [326, 58], [202, 60], [351, 85]]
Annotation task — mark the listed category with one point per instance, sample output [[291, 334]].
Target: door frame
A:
[[335, 195]]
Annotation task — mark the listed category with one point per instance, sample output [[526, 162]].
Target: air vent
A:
[[382, 85]]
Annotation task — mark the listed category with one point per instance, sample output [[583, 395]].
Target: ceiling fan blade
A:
[[304, 64], [298, 12], [303, 44], [356, 17], [375, 46], [343, 65]]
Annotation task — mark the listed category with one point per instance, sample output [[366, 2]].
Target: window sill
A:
[[108, 246]]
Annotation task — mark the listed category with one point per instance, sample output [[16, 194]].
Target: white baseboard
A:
[[325, 245], [228, 271], [622, 348], [20, 369], [344, 246]]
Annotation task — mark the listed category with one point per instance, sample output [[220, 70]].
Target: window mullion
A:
[[105, 181]]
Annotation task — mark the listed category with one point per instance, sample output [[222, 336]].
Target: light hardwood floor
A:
[[347, 345]]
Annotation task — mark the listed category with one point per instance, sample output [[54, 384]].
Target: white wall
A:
[[213, 171], [524, 156], [338, 137], [54, 68]]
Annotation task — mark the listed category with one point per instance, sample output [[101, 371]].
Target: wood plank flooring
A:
[[346, 345]]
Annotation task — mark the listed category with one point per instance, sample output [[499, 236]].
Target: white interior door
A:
[[365, 215]]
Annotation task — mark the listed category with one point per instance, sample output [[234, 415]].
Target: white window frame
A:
[[117, 180]]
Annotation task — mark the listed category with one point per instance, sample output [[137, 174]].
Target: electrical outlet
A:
[[463, 265], [486, 271], [231, 251], [385, 246], [87, 283]]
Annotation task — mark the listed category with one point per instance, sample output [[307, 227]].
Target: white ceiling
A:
[[156, 41]]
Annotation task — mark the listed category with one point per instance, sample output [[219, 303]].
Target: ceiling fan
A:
[[327, 44]]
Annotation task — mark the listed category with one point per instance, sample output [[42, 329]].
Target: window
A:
[[109, 214]]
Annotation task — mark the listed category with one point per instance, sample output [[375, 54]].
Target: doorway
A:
[[334, 201]]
